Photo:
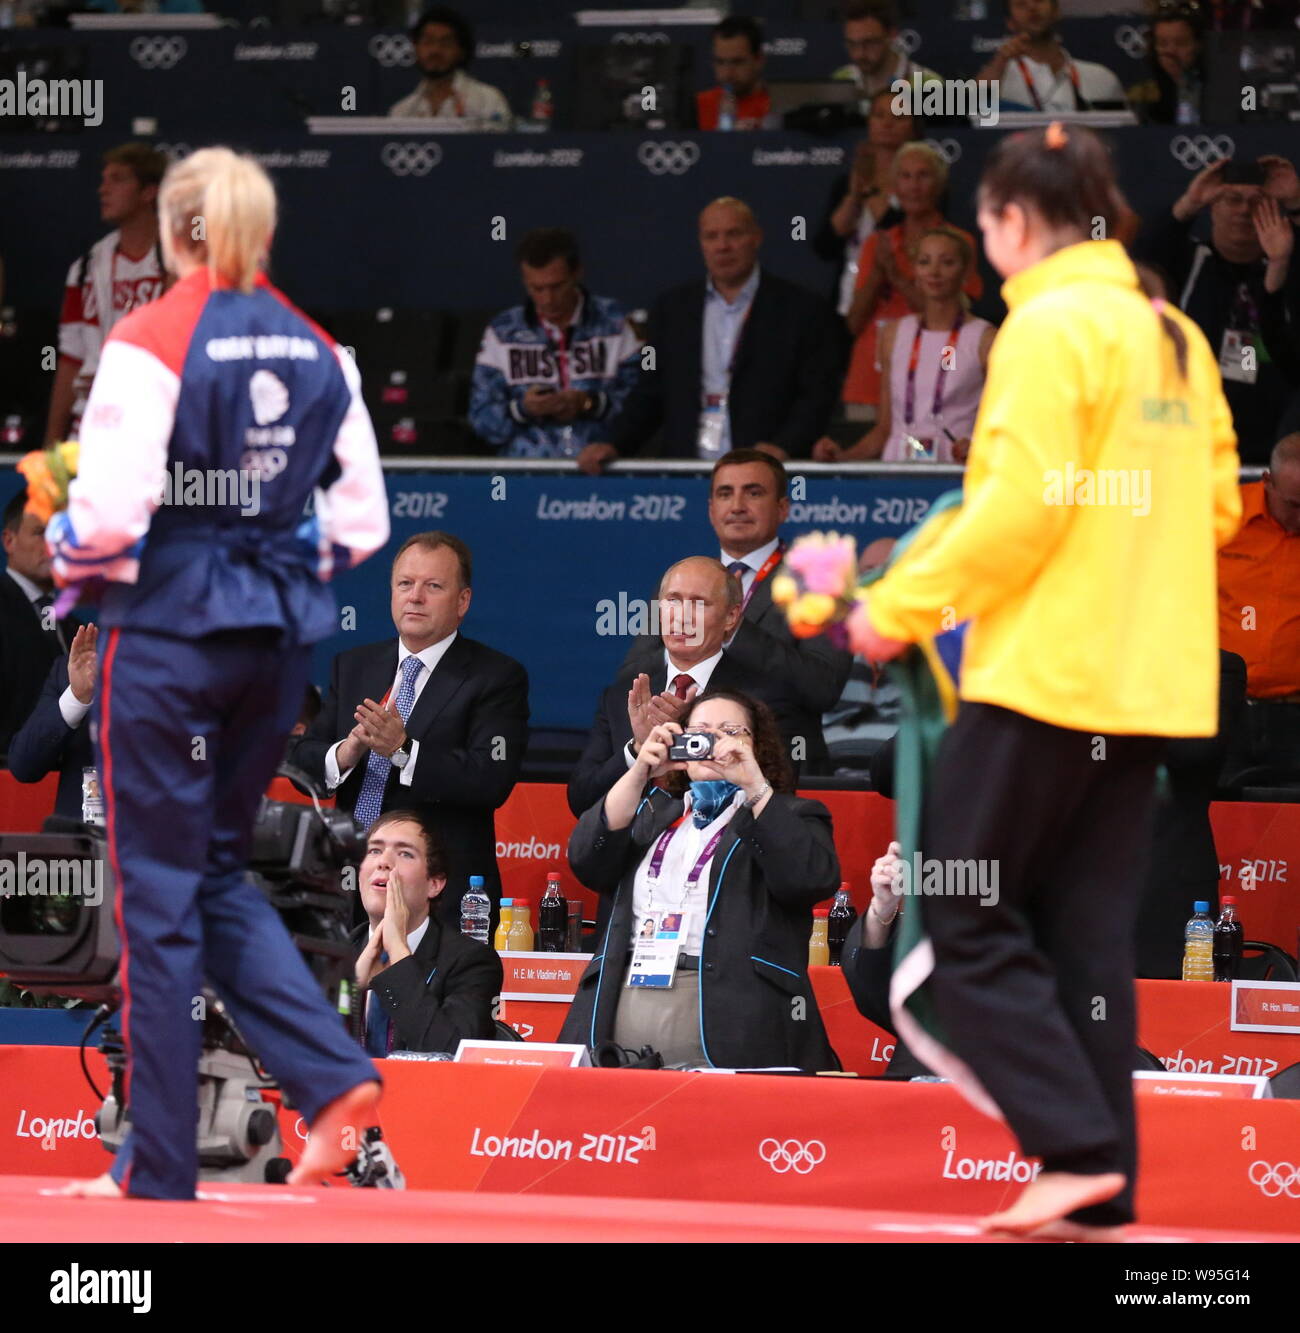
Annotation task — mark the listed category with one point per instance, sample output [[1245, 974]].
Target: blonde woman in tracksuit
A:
[[1102, 478]]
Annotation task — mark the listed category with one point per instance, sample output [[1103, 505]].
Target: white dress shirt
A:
[[470, 99], [723, 322], [1056, 90], [699, 673], [430, 656], [669, 893], [413, 939]]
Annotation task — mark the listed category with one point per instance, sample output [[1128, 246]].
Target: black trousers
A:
[[1036, 992]]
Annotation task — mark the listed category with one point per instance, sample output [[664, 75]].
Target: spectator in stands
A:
[[748, 503], [876, 59], [119, 272], [886, 286], [1034, 71], [937, 360], [1259, 579], [1241, 286], [741, 100], [429, 985], [744, 870], [743, 359], [56, 738], [863, 199], [444, 46], [550, 373], [1174, 94], [430, 720], [30, 638], [700, 607]]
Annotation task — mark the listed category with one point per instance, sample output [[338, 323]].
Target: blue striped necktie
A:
[[379, 1027], [370, 799]]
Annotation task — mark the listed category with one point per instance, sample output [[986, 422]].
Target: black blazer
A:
[[757, 1007], [46, 744], [444, 991], [602, 762], [868, 973], [471, 721], [788, 372], [26, 654], [805, 677]]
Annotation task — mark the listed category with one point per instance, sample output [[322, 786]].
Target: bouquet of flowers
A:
[[817, 586], [48, 472]]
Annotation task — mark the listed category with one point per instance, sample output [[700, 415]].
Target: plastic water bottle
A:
[[475, 911], [1198, 946], [1228, 935], [727, 111], [843, 915]]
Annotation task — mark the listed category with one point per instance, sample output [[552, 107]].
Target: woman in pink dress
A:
[[935, 362]]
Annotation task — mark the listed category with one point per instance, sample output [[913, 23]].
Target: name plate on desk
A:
[[518, 1055], [542, 976], [1266, 1006], [1201, 1087]]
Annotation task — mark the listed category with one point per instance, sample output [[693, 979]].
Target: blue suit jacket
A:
[[46, 744]]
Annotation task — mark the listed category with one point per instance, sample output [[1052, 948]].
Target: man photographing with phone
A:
[[1241, 286]]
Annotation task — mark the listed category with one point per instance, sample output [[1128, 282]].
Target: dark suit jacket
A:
[[444, 991], [757, 1007], [26, 654], [805, 676], [46, 744], [471, 721], [868, 973], [602, 762], [788, 372]]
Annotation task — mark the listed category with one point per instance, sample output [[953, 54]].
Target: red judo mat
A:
[[32, 1211]]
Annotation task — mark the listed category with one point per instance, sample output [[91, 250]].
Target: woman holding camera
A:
[[722, 840]]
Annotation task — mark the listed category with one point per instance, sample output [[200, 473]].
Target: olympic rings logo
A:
[[390, 51], [909, 40], [1132, 41], [668, 157], [1274, 1181], [1196, 152], [264, 464], [158, 52], [640, 38], [411, 159], [792, 1155], [948, 149]]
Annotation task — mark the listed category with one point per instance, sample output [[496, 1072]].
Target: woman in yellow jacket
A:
[[1102, 478]]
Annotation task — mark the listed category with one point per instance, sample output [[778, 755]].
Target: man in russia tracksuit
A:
[[552, 372]]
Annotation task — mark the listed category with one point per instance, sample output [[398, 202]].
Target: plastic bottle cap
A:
[[846, 887], [476, 881], [519, 902], [821, 911], [507, 902], [1201, 907], [1228, 901]]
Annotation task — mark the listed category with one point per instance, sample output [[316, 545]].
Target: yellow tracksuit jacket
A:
[[1099, 487]]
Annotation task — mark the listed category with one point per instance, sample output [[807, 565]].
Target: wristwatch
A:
[[402, 757]]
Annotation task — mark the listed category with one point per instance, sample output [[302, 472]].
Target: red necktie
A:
[[681, 684]]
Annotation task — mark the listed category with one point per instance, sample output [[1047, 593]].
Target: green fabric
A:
[[920, 729]]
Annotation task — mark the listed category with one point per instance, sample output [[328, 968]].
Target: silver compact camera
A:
[[692, 745]]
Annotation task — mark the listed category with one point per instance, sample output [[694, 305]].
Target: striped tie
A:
[[370, 799]]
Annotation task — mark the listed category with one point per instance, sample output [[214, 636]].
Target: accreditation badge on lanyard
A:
[[659, 940], [1241, 350]]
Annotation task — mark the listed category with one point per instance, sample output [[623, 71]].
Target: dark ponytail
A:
[[1066, 178]]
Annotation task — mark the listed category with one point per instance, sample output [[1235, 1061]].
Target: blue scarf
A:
[[709, 799]]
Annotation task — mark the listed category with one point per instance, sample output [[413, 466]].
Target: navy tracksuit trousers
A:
[[190, 734]]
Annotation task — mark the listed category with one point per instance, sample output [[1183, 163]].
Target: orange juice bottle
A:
[[521, 927], [501, 940], [819, 952]]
